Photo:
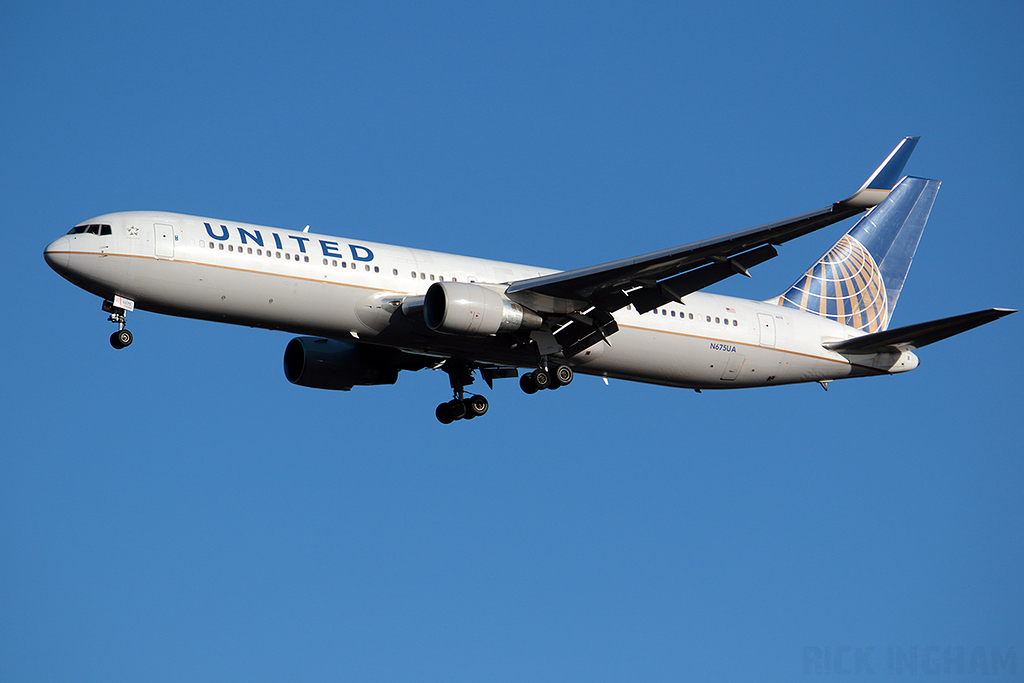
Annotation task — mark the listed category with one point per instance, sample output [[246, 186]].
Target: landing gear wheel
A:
[[444, 414], [541, 379], [476, 406], [526, 384], [458, 409], [121, 339], [563, 376]]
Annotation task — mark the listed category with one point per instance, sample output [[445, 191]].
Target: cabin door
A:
[[164, 240], [766, 323]]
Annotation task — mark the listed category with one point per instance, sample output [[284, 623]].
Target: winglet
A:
[[885, 177]]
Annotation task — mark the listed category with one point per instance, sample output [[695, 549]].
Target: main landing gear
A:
[[460, 407], [532, 382], [463, 407], [122, 337]]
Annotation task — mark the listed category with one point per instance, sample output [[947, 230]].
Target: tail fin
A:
[[860, 278]]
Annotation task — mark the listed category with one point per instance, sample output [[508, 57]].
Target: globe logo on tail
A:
[[845, 285]]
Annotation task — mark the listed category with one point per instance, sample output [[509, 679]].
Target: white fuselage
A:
[[334, 287]]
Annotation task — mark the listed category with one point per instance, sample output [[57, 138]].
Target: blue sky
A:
[[179, 511]]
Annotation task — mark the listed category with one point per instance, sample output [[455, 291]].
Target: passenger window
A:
[[230, 248], [709, 318], [423, 276], [716, 319], [673, 314], [394, 271], [725, 321], [221, 245], [259, 252], [278, 254], [334, 263], [414, 275], [431, 277], [305, 259], [367, 267], [734, 323], [211, 245], [691, 316], [249, 250], [376, 269]]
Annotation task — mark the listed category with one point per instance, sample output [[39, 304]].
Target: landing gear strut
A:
[[122, 337], [460, 407]]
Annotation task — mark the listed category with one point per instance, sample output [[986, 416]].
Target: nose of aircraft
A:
[[58, 254]]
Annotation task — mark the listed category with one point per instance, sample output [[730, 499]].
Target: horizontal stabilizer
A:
[[916, 336]]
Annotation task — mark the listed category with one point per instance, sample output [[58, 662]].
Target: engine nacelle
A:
[[463, 308], [330, 364]]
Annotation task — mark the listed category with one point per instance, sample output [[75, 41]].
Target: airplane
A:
[[365, 311]]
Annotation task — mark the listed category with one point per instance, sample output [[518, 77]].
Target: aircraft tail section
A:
[[859, 280]]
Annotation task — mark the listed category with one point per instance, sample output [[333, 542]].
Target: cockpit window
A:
[[94, 229]]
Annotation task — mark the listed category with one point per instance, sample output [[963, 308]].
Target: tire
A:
[[444, 414], [541, 379], [124, 337], [476, 406], [526, 384], [458, 409], [563, 375]]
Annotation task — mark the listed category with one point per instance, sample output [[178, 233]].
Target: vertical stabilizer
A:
[[860, 278]]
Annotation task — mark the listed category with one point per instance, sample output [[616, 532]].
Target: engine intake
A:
[[463, 308], [330, 364]]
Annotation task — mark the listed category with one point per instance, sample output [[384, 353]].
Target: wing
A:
[[580, 302]]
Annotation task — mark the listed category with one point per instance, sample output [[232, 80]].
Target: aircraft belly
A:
[[698, 362]]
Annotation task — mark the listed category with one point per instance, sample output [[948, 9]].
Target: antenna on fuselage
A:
[[305, 229]]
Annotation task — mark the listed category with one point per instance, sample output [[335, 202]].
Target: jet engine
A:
[[463, 308], [329, 364]]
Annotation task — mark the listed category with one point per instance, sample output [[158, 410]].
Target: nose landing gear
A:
[[118, 310]]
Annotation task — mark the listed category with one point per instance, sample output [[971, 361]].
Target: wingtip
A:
[[878, 185]]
